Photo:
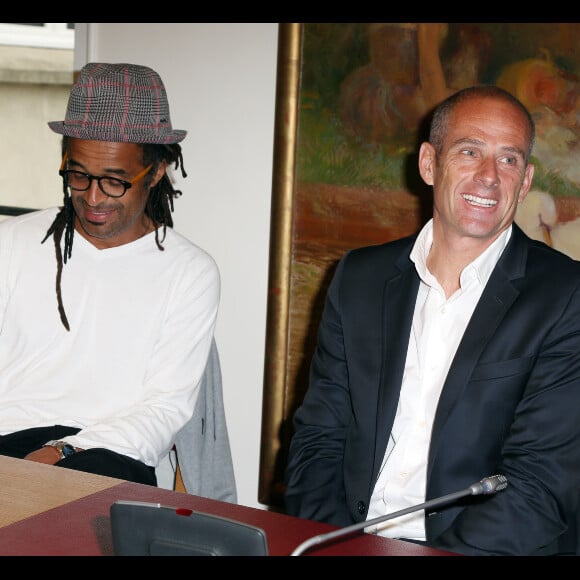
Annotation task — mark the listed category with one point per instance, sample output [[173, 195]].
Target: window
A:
[[38, 34], [36, 75]]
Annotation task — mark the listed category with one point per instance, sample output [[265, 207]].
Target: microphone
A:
[[487, 486]]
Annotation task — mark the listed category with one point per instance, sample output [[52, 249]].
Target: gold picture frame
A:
[[273, 408]]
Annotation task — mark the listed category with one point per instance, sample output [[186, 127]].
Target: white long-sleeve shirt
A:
[[141, 323]]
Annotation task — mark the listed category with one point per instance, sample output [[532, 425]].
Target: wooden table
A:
[[52, 511]]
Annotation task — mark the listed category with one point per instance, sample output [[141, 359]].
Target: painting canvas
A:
[[352, 108]]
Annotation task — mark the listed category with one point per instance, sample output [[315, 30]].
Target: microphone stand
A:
[[486, 486]]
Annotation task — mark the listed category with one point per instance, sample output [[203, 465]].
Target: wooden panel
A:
[[179, 485]]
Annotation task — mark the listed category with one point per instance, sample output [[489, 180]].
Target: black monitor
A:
[[151, 529]]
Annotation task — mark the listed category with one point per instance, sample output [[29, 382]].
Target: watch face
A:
[[67, 450]]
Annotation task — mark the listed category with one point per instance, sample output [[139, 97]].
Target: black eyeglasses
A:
[[111, 186]]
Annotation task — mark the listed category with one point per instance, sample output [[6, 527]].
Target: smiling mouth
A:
[[97, 217], [479, 201]]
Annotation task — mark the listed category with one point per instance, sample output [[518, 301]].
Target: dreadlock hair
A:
[[159, 208]]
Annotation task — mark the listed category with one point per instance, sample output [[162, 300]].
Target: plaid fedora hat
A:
[[120, 103]]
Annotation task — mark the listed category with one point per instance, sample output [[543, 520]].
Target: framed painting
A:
[[353, 102]]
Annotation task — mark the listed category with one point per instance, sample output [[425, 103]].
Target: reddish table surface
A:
[[82, 528]]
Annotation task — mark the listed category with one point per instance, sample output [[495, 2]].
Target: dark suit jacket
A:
[[510, 404]]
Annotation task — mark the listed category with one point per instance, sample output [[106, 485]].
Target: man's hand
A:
[[48, 455]]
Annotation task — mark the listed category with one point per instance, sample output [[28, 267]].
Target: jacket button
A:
[[361, 507]]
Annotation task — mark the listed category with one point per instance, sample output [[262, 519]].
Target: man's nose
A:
[[487, 173], [94, 193]]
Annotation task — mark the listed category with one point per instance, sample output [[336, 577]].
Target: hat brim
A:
[[130, 136]]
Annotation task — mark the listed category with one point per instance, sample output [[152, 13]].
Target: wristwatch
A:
[[65, 449]]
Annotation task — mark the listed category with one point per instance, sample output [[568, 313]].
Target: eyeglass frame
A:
[[126, 184]]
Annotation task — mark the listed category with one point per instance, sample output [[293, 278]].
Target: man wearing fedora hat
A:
[[102, 373]]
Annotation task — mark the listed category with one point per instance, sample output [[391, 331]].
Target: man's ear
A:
[[427, 162], [159, 173], [526, 182]]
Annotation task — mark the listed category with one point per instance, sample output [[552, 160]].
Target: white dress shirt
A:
[[438, 326]]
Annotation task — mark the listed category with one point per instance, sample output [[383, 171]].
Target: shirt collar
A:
[[481, 267]]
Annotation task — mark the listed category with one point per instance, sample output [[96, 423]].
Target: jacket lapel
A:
[[497, 298], [399, 296]]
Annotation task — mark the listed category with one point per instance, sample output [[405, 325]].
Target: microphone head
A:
[[489, 485]]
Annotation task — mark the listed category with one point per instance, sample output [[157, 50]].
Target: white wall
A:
[[221, 81]]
